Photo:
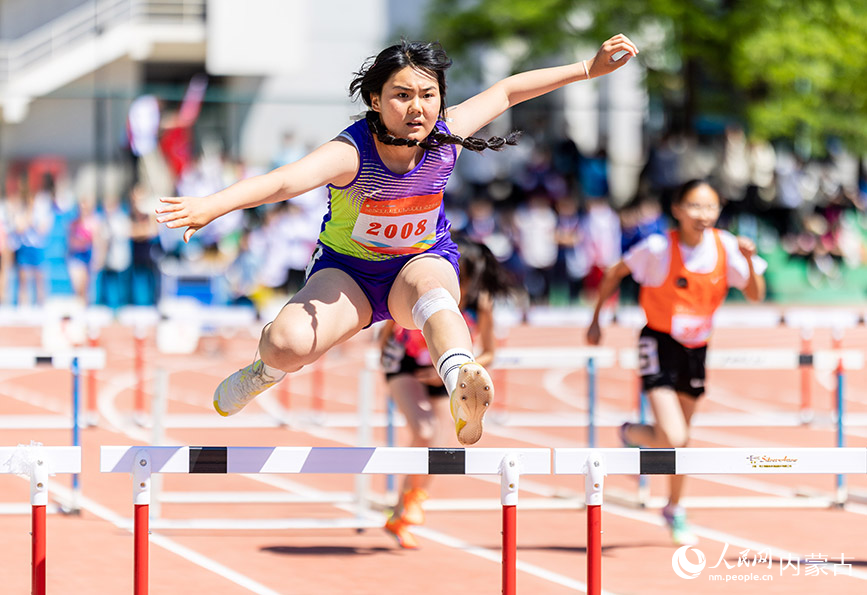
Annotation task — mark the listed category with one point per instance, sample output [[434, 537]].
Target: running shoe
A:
[[413, 513], [399, 529], [470, 401], [236, 391], [675, 518]]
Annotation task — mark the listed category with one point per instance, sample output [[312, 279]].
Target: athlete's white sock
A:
[[448, 365], [272, 372]]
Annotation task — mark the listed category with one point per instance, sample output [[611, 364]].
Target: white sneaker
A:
[[240, 388]]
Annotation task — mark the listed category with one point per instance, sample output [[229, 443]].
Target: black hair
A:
[[689, 186], [482, 272], [431, 59]]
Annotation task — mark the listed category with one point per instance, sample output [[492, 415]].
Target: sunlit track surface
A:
[[92, 553]]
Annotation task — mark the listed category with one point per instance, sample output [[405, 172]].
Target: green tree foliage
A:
[[790, 69], [804, 64]]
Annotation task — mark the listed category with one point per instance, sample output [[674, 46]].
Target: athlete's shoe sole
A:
[[470, 400]]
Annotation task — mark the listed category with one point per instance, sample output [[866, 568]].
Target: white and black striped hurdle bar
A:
[[714, 461], [75, 360], [142, 461], [24, 358], [594, 464], [39, 462]]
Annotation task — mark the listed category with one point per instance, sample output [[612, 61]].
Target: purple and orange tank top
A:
[[382, 215]]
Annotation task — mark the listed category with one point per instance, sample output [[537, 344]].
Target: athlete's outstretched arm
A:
[[335, 162], [609, 284], [477, 111]]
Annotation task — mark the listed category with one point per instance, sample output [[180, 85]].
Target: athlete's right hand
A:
[[594, 333], [185, 211]]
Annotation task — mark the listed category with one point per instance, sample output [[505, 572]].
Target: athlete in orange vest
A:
[[684, 277]]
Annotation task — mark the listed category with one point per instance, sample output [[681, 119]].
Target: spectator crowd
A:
[[543, 208]]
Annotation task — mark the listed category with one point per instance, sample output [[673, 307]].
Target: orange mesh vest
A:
[[683, 306]]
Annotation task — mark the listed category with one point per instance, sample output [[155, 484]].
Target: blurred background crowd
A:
[[557, 209], [543, 208]]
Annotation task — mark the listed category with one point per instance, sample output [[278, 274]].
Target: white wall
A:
[[63, 123], [18, 17], [312, 99]]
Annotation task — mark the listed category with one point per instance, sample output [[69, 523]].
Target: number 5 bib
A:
[[399, 226]]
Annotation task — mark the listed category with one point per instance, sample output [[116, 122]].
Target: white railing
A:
[[87, 22]]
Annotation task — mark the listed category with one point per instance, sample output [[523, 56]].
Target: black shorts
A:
[[408, 365], [663, 362]]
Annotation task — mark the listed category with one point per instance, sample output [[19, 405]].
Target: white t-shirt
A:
[[648, 260]]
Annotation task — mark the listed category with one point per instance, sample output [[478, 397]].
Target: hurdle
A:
[[595, 464], [38, 463], [560, 358], [780, 359], [178, 325], [143, 461], [359, 497], [539, 358], [65, 323], [522, 358], [833, 360], [75, 360]]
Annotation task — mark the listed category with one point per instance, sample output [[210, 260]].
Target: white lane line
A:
[[167, 544], [496, 557], [554, 381], [713, 534]]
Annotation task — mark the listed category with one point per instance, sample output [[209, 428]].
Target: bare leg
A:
[[426, 418], [673, 412], [688, 404], [23, 283], [671, 429], [445, 330], [328, 310]]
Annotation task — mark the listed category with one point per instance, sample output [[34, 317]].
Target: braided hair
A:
[[431, 59]]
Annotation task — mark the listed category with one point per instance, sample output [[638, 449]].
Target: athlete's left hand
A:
[[747, 247], [604, 62]]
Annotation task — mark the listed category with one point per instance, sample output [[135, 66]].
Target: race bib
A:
[[400, 226], [691, 330]]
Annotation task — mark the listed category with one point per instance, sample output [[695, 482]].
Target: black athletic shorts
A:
[[663, 362], [408, 365]]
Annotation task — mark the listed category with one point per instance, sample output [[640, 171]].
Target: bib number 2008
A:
[[407, 230]]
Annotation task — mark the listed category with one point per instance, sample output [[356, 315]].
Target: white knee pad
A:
[[431, 302]]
